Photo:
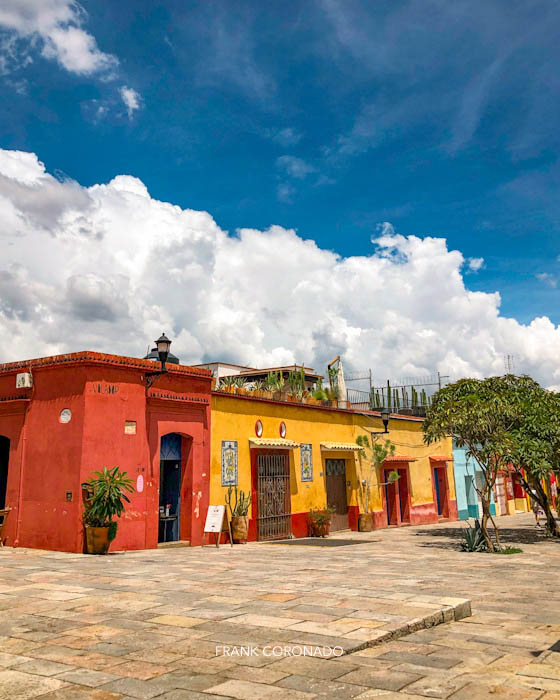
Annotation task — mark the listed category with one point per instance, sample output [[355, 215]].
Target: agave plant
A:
[[227, 383], [474, 540]]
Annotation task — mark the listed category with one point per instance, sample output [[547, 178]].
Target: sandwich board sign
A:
[[217, 521]]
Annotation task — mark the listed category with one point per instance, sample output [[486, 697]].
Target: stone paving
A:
[[148, 624]]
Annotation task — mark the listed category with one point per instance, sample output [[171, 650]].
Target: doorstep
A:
[[176, 543]]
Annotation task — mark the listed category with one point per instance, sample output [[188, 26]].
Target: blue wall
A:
[[467, 498]]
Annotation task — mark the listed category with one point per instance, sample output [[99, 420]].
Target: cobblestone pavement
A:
[[147, 624]]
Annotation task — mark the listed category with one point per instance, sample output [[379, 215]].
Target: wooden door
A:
[[335, 470], [391, 499], [404, 503]]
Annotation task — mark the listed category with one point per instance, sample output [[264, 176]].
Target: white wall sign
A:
[[214, 519], [139, 483]]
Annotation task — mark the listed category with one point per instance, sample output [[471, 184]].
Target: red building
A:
[[64, 417]]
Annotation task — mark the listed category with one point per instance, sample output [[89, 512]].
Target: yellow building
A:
[[293, 457]]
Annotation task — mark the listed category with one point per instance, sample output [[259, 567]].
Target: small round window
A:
[[259, 428], [65, 415], [282, 429]]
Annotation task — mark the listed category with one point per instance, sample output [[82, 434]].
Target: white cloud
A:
[[131, 100], [108, 268], [285, 137], [547, 278], [475, 264], [294, 167], [285, 192], [57, 26]]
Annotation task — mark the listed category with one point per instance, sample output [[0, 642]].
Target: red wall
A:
[[57, 457]]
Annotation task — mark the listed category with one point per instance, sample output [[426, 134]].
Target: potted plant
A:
[[227, 384], [275, 384], [258, 387], [104, 496], [320, 394], [320, 521], [239, 515], [372, 455], [239, 384]]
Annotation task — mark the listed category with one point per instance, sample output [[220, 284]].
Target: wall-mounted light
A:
[[163, 345], [385, 413]]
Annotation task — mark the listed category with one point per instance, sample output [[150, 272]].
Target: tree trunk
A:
[[542, 500], [535, 487], [485, 500]]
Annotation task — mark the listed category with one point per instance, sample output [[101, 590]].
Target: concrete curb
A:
[[453, 610]]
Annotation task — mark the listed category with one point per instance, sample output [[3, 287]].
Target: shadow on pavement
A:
[[508, 535]]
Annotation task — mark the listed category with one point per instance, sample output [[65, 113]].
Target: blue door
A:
[[438, 495], [169, 488]]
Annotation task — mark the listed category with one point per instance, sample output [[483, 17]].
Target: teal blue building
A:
[[466, 470]]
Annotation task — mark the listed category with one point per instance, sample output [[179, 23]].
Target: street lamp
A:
[[162, 344], [385, 413]]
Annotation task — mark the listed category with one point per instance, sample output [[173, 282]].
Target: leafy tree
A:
[[477, 418], [534, 445], [374, 454], [504, 422]]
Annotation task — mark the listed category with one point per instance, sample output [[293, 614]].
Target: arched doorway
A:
[[4, 459], [174, 488]]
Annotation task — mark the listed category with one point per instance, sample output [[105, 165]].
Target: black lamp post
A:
[[385, 413], [162, 344]]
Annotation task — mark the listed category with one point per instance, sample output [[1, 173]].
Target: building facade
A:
[[88, 410], [292, 458], [183, 445], [468, 474]]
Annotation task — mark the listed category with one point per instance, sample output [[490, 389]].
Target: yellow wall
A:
[[234, 418], [408, 439]]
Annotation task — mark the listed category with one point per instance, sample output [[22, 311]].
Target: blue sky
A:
[[329, 117]]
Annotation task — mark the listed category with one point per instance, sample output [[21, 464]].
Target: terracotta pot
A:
[[97, 540], [240, 528], [365, 523], [320, 530]]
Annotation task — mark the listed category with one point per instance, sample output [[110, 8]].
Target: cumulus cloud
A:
[[131, 99], [475, 264], [109, 267], [57, 25]]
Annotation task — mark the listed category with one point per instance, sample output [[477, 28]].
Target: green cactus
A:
[[242, 502]]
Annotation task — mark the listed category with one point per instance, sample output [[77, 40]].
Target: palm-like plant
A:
[[106, 498]]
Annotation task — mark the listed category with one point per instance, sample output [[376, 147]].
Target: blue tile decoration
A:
[[306, 451], [229, 462]]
